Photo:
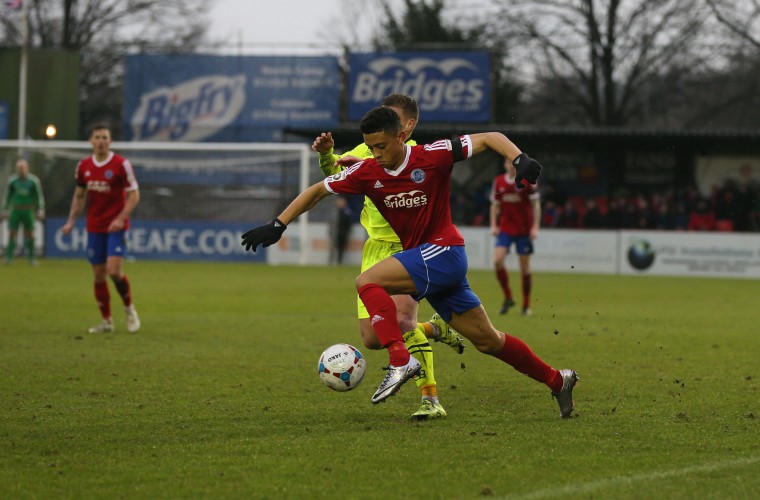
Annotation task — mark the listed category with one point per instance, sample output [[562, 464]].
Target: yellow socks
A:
[[419, 347]]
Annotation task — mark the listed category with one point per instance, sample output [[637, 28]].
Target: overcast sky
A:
[[286, 24], [247, 19]]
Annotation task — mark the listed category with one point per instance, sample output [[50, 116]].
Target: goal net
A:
[[196, 199]]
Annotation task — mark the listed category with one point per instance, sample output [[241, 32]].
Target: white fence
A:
[[734, 255]]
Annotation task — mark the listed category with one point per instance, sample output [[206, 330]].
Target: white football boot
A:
[[133, 320], [565, 396], [105, 326], [395, 378]]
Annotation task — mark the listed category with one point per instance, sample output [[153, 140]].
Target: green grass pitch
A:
[[218, 395]]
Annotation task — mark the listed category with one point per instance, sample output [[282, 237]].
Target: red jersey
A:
[[107, 185], [515, 205], [414, 198]]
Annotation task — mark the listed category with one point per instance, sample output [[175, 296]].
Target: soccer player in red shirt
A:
[[410, 187], [383, 242], [515, 215], [107, 182]]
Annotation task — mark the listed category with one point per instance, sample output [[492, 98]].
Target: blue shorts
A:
[[100, 246], [440, 275], [523, 244]]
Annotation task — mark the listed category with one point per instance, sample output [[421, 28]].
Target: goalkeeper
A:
[[383, 242], [23, 201]]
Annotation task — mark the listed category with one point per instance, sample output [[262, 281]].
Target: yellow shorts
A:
[[373, 252]]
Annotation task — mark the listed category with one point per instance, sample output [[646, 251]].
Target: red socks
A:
[[503, 279], [398, 353], [526, 286], [123, 289], [382, 313], [519, 356], [103, 298]]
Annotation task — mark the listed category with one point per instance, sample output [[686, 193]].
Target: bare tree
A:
[[103, 31], [728, 96], [603, 60], [740, 17], [418, 26]]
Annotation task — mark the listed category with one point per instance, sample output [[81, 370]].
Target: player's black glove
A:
[[527, 168], [263, 235]]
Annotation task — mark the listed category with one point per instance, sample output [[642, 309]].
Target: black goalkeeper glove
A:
[[265, 235], [527, 168]]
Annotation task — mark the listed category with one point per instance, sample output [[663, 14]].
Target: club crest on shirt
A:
[[109, 174], [418, 175]]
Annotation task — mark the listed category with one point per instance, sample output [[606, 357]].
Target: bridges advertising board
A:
[[448, 86]]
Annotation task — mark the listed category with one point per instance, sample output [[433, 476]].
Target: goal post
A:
[[196, 198]]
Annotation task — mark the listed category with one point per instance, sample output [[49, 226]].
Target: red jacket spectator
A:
[[702, 218]]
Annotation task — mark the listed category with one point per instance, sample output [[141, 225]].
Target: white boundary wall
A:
[[735, 255], [661, 253]]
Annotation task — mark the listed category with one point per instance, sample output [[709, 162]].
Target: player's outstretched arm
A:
[[304, 202], [270, 233], [527, 168], [495, 141]]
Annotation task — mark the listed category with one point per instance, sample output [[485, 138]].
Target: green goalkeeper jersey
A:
[[24, 193], [375, 224]]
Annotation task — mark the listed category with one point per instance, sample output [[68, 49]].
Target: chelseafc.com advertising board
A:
[[160, 240]]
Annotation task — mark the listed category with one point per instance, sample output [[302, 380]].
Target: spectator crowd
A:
[[732, 206]]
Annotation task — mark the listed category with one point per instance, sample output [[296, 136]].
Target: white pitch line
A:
[[588, 487]]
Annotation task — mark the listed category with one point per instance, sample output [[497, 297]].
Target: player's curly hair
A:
[[404, 102], [380, 119]]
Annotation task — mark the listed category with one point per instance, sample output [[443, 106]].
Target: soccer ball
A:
[[341, 367]]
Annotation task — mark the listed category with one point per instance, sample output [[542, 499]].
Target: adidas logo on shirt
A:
[[378, 185]]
